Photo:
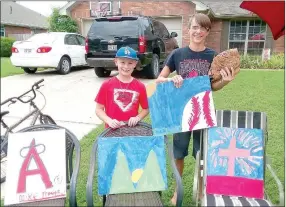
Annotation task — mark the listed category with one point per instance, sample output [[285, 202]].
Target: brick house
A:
[[175, 15], [20, 22], [230, 24]]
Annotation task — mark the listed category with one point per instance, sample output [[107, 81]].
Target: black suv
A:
[[147, 36]]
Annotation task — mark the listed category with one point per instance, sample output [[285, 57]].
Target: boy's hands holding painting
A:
[[133, 121], [177, 79], [113, 123]]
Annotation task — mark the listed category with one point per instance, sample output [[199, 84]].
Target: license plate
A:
[[27, 50], [112, 47]]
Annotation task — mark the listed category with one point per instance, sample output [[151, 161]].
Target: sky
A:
[[42, 7]]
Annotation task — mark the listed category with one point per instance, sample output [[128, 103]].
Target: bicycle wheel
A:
[[46, 119], [4, 145]]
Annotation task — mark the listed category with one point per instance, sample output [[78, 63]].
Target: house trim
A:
[[23, 25], [66, 8]]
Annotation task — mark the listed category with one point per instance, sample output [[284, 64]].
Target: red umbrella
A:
[[271, 12]]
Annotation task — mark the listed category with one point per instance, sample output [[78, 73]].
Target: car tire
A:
[[64, 65], [153, 70], [101, 72], [30, 70]]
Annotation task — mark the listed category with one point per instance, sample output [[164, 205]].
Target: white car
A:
[[59, 50]]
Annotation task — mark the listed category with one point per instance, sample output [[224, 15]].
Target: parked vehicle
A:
[[59, 50], [149, 37]]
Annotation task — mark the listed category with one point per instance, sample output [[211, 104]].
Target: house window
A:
[[2, 31], [248, 36], [105, 6]]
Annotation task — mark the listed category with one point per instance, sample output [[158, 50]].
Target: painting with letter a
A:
[[235, 162], [187, 108], [131, 164], [36, 168]]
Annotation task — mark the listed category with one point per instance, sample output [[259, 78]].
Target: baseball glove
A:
[[229, 58]]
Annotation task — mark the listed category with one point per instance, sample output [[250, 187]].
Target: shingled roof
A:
[[225, 9], [219, 9], [18, 15]]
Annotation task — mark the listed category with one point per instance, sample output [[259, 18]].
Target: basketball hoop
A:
[[103, 13], [97, 13], [104, 8]]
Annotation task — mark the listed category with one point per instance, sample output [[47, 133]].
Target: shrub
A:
[[61, 23], [6, 46], [255, 62]]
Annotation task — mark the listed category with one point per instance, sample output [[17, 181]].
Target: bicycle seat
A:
[[4, 113]]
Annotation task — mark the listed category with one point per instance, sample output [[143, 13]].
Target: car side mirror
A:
[[174, 34], [166, 36]]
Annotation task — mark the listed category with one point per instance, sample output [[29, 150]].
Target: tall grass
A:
[[255, 62]]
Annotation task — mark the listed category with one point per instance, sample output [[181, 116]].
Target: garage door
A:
[[86, 26], [173, 24]]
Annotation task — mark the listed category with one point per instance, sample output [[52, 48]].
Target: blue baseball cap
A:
[[126, 52]]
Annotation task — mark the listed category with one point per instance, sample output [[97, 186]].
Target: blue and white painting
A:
[[131, 164], [235, 164], [187, 108], [235, 152]]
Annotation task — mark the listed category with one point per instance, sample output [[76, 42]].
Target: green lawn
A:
[[251, 90], [8, 69]]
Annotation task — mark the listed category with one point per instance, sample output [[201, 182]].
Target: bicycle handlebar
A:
[[38, 82], [14, 99]]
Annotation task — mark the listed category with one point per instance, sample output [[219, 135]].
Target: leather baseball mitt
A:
[[229, 58]]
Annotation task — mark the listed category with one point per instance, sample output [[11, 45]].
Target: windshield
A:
[[43, 37], [109, 29]]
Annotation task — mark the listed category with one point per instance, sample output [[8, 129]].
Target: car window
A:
[[147, 26], [160, 30], [163, 29], [42, 38], [111, 29], [71, 40], [156, 27], [81, 40]]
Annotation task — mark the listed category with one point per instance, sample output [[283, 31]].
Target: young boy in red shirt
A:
[[119, 97]]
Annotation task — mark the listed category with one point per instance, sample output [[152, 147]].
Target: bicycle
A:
[[36, 113]]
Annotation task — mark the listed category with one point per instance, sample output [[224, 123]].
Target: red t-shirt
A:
[[121, 100]]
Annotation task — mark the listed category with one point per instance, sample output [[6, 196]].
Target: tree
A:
[[61, 23]]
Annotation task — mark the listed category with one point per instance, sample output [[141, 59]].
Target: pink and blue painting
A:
[[235, 165], [187, 108], [131, 164]]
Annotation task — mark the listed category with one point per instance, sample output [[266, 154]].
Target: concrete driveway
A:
[[69, 98]]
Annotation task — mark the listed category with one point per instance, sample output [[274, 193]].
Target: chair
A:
[[131, 199], [72, 146], [235, 119]]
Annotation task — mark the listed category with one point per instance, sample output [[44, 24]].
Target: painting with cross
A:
[[36, 168], [235, 164]]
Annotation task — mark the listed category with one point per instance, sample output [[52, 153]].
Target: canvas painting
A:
[[131, 164], [36, 168], [187, 108], [235, 162]]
